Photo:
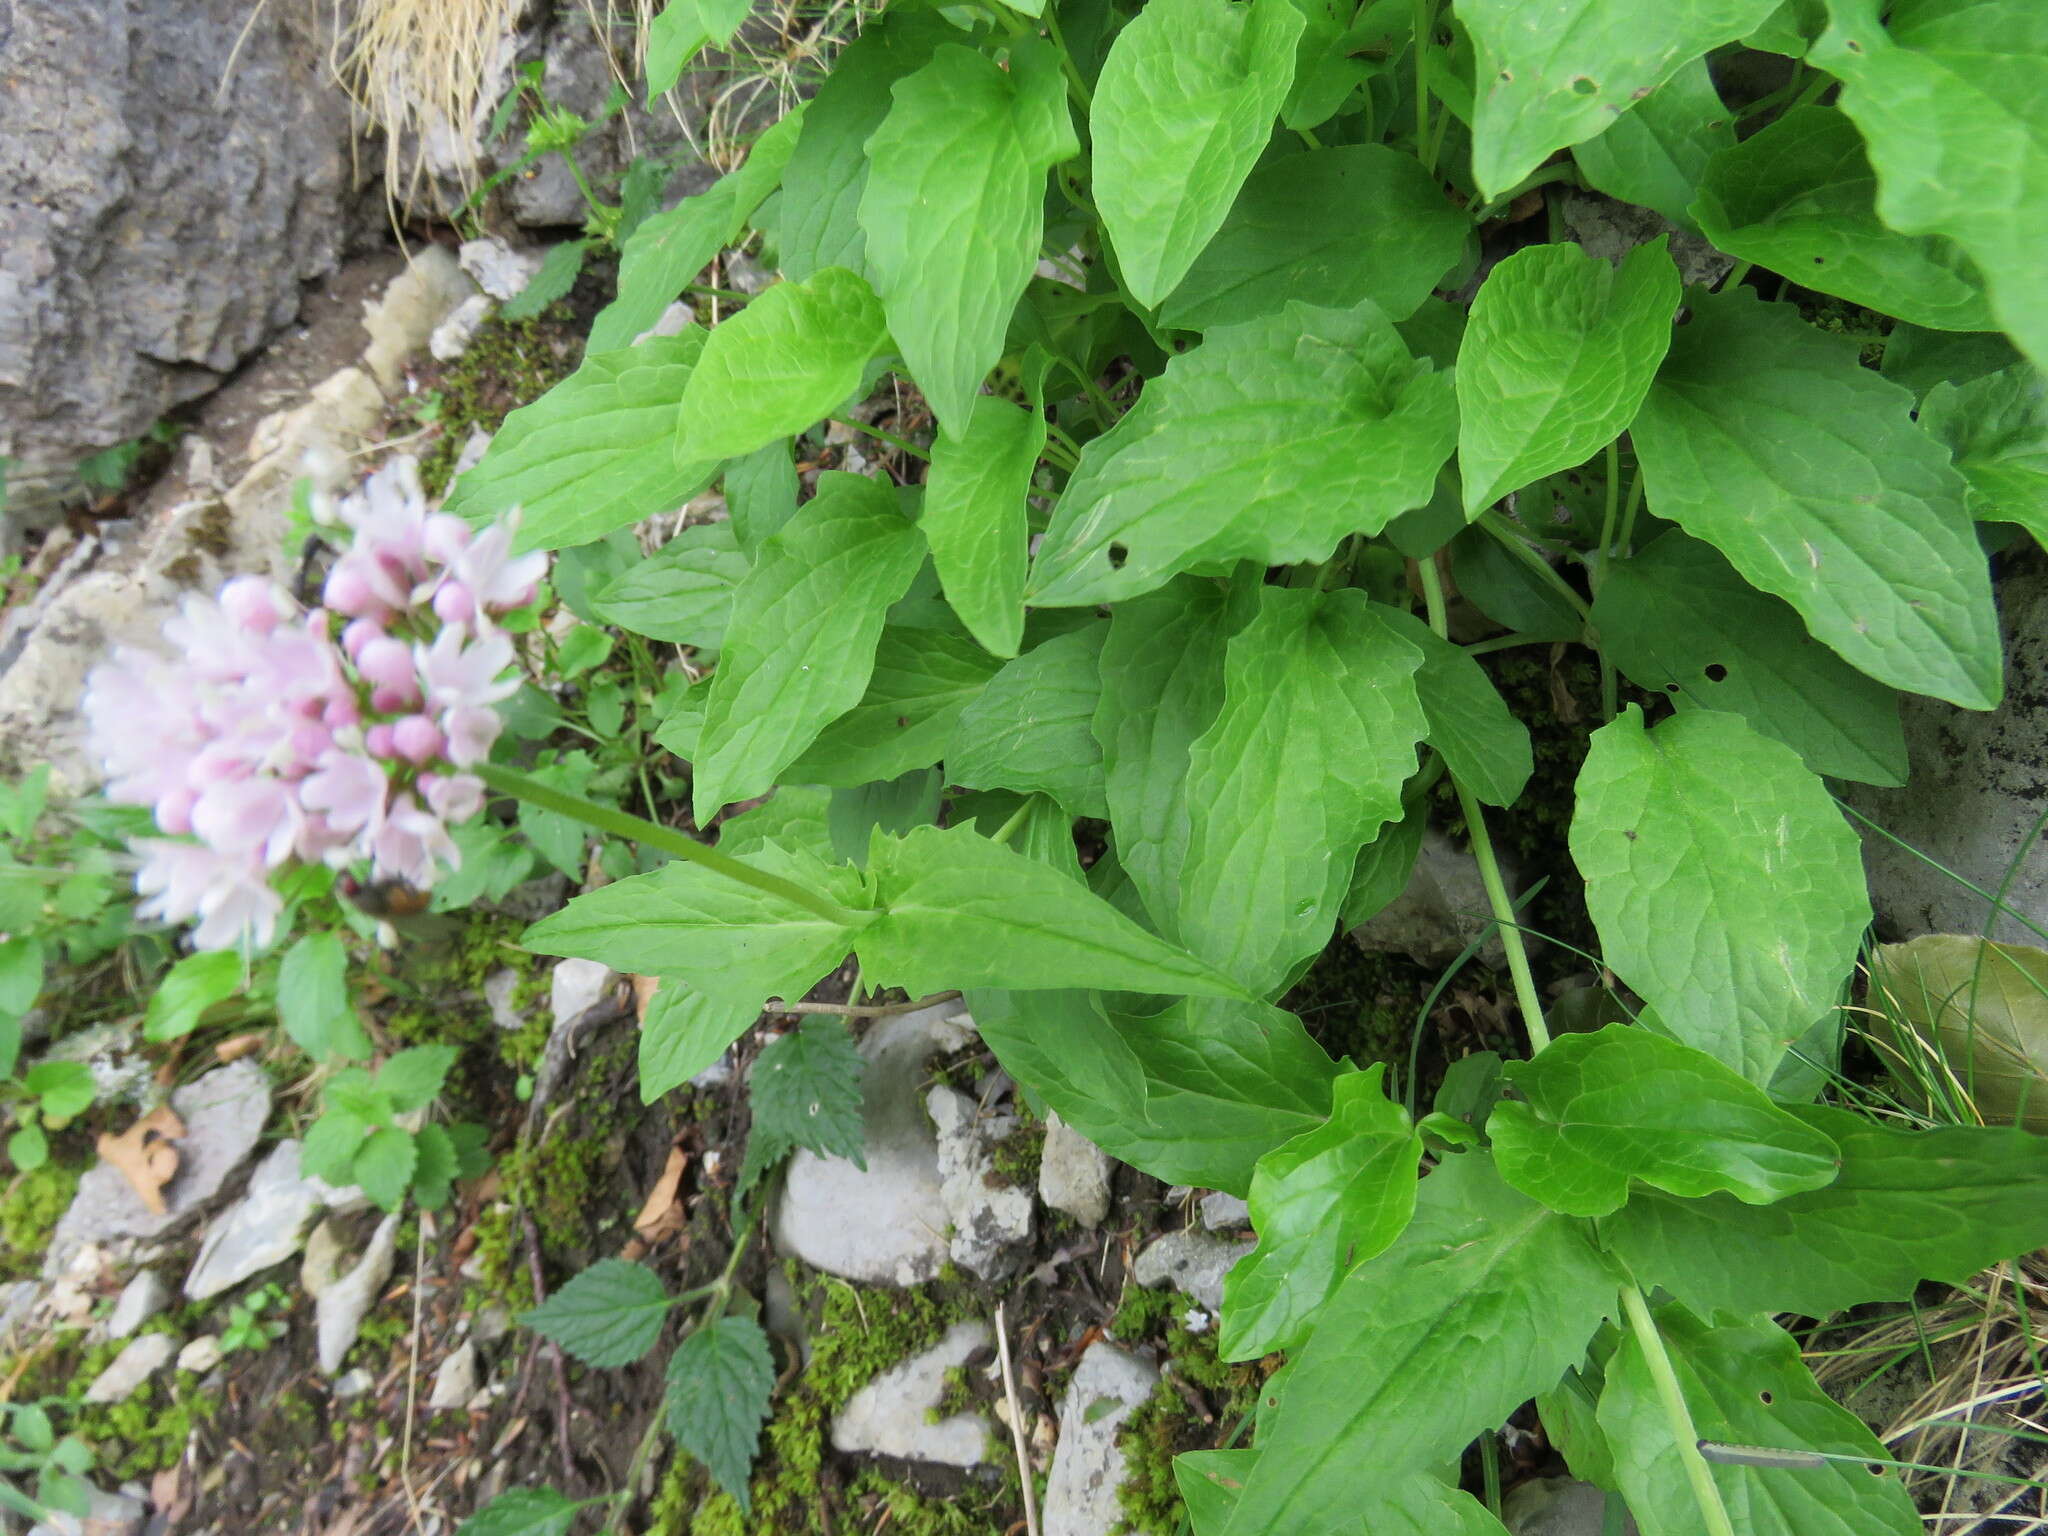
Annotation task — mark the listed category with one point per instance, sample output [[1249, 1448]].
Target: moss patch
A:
[[1167, 1424], [28, 1214], [509, 363]]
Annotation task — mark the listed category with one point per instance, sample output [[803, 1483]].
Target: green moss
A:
[[29, 1212], [151, 1429], [500, 1259], [509, 363], [1165, 1425], [1017, 1155]]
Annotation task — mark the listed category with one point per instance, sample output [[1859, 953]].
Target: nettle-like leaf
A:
[[720, 1380], [595, 452], [791, 356], [524, 1512], [1725, 884], [801, 646], [384, 1165], [954, 210], [1329, 227], [1303, 764], [1677, 618], [1557, 75], [976, 518], [313, 1002], [1483, 1300], [956, 909], [1765, 438], [1949, 101], [924, 680], [1192, 474], [729, 941], [805, 1090], [1799, 197], [1997, 428], [608, 1315], [1325, 1201], [1470, 724], [680, 593], [1029, 728], [186, 991], [412, 1079], [1557, 357], [1744, 1384], [1599, 1110], [1907, 1206], [1655, 153], [1184, 104], [684, 1032]]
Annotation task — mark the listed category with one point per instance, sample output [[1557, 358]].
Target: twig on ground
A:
[[1024, 1481], [412, 1372]]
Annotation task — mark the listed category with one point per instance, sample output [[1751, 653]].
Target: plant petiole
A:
[[1706, 1493]]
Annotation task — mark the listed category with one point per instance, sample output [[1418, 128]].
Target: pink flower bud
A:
[[174, 810], [388, 701], [348, 592], [377, 741], [360, 633], [417, 739], [254, 604], [454, 604], [341, 710], [387, 663]]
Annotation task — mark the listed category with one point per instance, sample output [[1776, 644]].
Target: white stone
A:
[[338, 1314], [495, 267], [417, 300], [576, 986], [990, 1218], [1557, 1506], [885, 1225], [1224, 1212], [141, 1360], [455, 1381], [501, 989], [201, 1355], [474, 447], [263, 1228], [1073, 1173], [673, 321], [326, 1260], [1087, 1467], [453, 335], [141, 1299], [353, 1383], [1191, 1262], [890, 1415]]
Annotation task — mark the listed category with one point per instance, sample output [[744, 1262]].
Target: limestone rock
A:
[[263, 1228], [576, 986], [129, 1369], [402, 320], [990, 1217], [885, 1225], [140, 1300], [1073, 1173], [501, 991], [1442, 909], [495, 267], [1087, 1468], [453, 335], [455, 1381], [338, 1314], [1557, 1506], [1190, 1261], [889, 1416], [201, 1355], [1224, 1212]]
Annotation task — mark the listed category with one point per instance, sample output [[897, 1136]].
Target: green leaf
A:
[[794, 816], [1192, 474], [524, 1512], [1766, 439], [1560, 350], [805, 1089], [1981, 1022], [682, 592], [894, 805], [1949, 102], [1183, 106], [1303, 765], [731, 941], [1325, 1201], [434, 1175], [1196, 1094], [719, 1382], [684, 1032], [674, 38], [760, 495], [21, 973], [413, 1078], [1799, 197], [1997, 428], [1598, 1110], [1483, 1300], [28, 1148], [1557, 75], [1481, 740], [188, 989], [801, 645], [954, 210], [608, 1315], [1208, 1483], [958, 910], [65, 1089], [1907, 1206], [313, 1001], [552, 279], [1726, 887], [1744, 1384], [976, 518], [924, 680], [794, 354], [1029, 727], [1382, 870], [585, 646], [1329, 227], [1162, 683], [1918, 359], [593, 453], [384, 1165], [1655, 153], [1677, 618]]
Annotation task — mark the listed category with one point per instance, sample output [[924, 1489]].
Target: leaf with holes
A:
[[1029, 728], [805, 1089], [1655, 153], [976, 518], [720, 1380], [607, 1315]]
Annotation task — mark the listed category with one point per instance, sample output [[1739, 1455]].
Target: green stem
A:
[[1609, 690], [1735, 275], [520, 786], [1563, 170], [1497, 898], [1054, 434], [1075, 84], [1704, 1491], [1517, 545], [903, 444], [1008, 829], [1628, 513], [1423, 24]]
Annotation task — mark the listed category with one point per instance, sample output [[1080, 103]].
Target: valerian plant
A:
[[1197, 298]]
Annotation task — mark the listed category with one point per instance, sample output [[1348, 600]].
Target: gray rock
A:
[[990, 1218], [673, 321], [455, 1381], [18, 1300], [1442, 908], [201, 1355], [224, 1114], [1557, 1506], [885, 1225], [326, 1261], [451, 338], [263, 1228], [142, 1359], [1973, 793], [495, 267], [1190, 1261], [1073, 1173], [353, 1383], [890, 1416], [106, 1514], [156, 233], [474, 447], [339, 1311], [1611, 230], [1087, 1468], [576, 986], [1224, 1212], [501, 990], [140, 1300]]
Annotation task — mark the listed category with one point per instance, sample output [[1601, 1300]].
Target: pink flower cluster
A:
[[338, 735]]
